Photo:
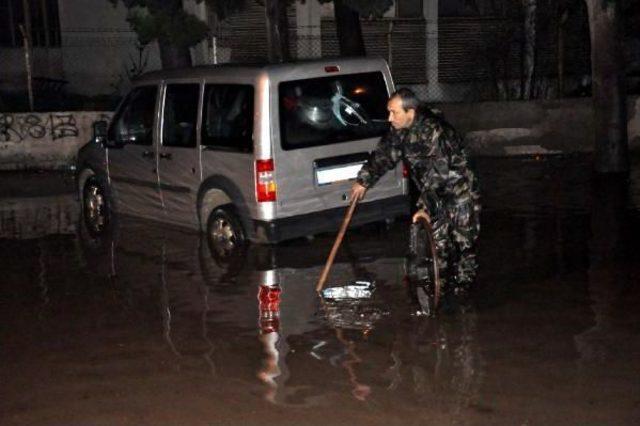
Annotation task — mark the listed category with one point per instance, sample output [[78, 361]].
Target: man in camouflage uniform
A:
[[433, 152]]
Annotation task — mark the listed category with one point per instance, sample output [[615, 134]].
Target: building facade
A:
[[444, 49]]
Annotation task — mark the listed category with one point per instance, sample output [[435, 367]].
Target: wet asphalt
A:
[[147, 326]]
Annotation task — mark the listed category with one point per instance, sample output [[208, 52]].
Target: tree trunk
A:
[[173, 56], [529, 58], [609, 97], [277, 30], [27, 20], [45, 22], [28, 62], [349, 30], [563, 15], [27, 43]]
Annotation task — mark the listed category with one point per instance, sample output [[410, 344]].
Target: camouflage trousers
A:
[[455, 231]]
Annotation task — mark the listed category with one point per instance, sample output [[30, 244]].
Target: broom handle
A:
[[336, 244]]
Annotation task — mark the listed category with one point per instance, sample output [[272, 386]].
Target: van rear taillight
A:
[[265, 181], [405, 170]]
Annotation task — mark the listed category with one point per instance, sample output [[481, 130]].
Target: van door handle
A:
[[166, 155], [147, 154]]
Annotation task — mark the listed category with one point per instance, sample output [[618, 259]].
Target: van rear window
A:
[[328, 110]]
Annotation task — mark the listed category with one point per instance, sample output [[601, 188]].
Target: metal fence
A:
[[468, 60], [471, 59]]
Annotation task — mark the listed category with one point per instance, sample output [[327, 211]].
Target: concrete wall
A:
[[44, 140], [51, 140], [47, 62], [503, 128]]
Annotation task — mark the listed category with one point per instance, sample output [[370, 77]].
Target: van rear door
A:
[[327, 127]]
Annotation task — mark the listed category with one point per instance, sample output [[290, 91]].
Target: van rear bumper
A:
[[328, 220]]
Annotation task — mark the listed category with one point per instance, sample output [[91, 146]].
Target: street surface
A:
[[146, 326]]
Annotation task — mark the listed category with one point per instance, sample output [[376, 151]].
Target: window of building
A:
[[42, 17]]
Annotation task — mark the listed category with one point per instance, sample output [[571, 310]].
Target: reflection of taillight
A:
[[269, 298], [405, 170], [269, 308], [265, 180]]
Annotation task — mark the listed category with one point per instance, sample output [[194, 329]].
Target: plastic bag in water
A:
[[355, 290], [353, 314]]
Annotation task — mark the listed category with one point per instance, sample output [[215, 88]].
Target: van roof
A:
[[252, 70]]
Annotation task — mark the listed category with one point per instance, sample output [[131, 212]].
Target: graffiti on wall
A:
[[17, 128]]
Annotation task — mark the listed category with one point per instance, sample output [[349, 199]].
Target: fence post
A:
[[27, 60], [430, 11]]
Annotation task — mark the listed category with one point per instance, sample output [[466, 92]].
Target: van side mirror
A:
[[100, 132]]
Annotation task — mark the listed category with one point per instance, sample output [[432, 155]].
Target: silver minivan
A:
[[262, 153]]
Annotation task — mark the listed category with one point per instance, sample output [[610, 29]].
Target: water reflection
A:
[[608, 274], [147, 307], [43, 283], [35, 217], [165, 305], [256, 317], [271, 372], [308, 348]]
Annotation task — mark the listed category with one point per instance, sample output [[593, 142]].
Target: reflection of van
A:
[[265, 153], [257, 316]]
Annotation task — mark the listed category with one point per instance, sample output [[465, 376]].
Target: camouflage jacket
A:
[[433, 152]]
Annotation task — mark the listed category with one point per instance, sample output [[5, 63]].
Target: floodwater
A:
[[146, 326]]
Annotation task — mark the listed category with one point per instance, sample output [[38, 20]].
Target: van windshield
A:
[[327, 110]]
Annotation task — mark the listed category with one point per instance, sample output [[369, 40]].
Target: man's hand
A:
[[357, 192]]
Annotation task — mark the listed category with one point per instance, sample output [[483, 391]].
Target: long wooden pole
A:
[[336, 245]]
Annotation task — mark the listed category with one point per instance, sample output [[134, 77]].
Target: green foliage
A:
[[179, 29], [367, 8], [165, 21]]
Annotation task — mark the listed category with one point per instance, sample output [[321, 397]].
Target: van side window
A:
[[227, 117], [180, 115], [133, 123]]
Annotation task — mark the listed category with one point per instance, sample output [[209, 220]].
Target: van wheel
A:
[[95, 207], [225, 234]]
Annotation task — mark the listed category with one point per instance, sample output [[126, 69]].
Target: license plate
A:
[[337, 174]]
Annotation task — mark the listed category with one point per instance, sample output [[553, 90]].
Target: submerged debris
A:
[[352, 306], [353, 315], [354, 291]]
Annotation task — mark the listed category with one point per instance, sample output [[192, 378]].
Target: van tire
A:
[[225, 234], [96, 211]]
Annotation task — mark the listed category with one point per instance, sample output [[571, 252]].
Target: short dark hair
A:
[[407, 97]]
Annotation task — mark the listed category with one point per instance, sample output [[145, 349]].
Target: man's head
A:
[[402, 107]]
